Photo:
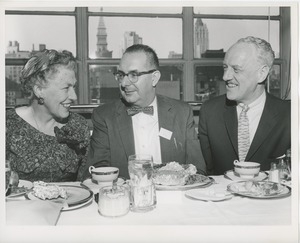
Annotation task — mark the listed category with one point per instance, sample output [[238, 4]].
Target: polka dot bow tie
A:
[[134, 110]]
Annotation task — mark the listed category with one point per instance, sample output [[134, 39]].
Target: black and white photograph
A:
[[150, 121]]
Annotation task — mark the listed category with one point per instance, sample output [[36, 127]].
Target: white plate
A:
[[205, 182], [77, 197], [22, 183], [209, 194], [235, 177], [94, 186], [67, 208], [239, 188]]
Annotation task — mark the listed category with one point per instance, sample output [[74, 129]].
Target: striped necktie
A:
[[243, 133]]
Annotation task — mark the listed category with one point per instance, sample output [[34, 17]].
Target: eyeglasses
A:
[[132, 76]]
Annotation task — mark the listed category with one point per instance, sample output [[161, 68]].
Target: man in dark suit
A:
[[246, 67], [165, 127]]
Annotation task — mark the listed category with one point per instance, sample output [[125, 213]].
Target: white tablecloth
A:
[[174, 208]]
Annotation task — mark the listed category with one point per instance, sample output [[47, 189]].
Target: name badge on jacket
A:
[[165, 133]]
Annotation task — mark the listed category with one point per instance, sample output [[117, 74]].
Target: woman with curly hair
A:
[[44, 140]]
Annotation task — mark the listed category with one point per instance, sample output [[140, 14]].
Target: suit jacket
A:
[[218, 133], [112, 140]]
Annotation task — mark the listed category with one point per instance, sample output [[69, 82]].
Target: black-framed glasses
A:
[[133, 76]]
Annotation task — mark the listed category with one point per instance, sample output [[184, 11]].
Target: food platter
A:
[[235, 177], [197, 181], [21, 190], [208, 194], [77, 197], [259, 189]]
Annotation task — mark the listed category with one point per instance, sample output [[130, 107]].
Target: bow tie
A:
[[134, 110]]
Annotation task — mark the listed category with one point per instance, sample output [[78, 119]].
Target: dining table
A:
[[175, 208]]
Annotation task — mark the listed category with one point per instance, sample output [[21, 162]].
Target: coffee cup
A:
[[104, 174], [246, 169]]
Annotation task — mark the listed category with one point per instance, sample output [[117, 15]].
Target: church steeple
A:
[[102, 39]]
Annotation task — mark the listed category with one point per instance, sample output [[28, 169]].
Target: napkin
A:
[[32, 212]]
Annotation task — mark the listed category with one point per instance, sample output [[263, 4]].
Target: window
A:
[[190, 43]]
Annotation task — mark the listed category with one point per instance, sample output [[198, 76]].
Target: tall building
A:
[[101, 83], [201, 38], [102, 40], [130, 38]]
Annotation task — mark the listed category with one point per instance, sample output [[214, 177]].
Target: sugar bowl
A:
[[114, 201]]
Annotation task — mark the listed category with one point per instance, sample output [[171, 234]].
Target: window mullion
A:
[[82, 54], [188, 54]]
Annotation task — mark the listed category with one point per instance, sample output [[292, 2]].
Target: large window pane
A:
[[220, 34], [209, 82], [51, 32], [275, 81], [238, 10], [134, 9], [14, 95], [170, 83], [110, 36], [103, 88]]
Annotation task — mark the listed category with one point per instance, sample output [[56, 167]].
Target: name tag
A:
[[165, 133]]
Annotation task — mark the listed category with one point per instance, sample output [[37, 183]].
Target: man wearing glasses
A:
[[142, 122]]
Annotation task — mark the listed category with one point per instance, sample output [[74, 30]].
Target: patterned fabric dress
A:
[[37, 156]]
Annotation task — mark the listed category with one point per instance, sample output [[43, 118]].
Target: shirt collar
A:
[[259, 101]]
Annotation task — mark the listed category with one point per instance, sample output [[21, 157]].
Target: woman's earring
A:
[[40, 101]]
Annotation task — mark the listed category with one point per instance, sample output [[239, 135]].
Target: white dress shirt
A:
[[146, 133], [254, 114]]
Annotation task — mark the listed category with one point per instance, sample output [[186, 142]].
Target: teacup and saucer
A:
[[246, 169]]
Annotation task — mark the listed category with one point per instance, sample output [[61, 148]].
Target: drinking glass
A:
[[142, 188]]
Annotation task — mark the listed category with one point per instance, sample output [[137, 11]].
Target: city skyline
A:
[[163, 34]]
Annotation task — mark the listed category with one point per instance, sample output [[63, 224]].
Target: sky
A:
[[163, 34]]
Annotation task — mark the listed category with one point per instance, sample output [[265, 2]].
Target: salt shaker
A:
[[274, 173], [283, 170]]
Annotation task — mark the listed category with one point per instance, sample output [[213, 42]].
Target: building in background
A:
[[130, 38], [102, 86], [14, 95], [102, 51], [173, 54], [201, 38]]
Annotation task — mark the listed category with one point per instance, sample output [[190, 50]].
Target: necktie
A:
[[243, 133], [134, 110]]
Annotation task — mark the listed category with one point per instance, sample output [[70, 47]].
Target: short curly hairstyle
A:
[[43, 65]]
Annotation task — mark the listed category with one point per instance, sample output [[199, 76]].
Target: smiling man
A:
[[142, 122], [246, 124]]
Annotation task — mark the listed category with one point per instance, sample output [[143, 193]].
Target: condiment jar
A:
[[114, 201], [283, 170], [274, 173]]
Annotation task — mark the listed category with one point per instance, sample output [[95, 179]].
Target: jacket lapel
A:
[[124, 124], [166, 121], [230, 118], [267, 121]]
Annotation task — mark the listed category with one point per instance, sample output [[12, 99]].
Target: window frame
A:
[[81, 15]]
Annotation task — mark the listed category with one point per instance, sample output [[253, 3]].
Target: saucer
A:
[[230, 174], [94, 186]]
